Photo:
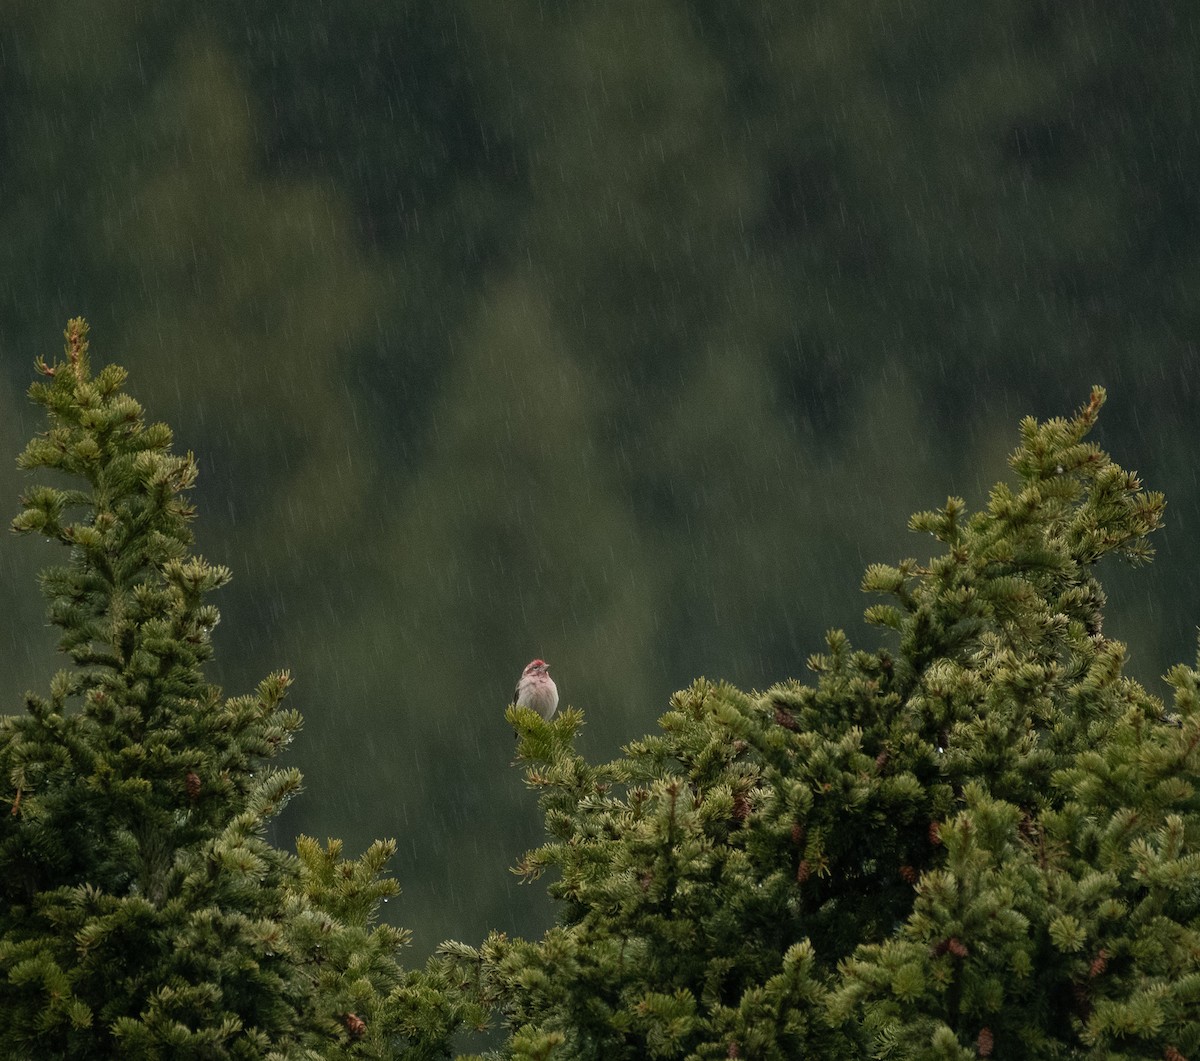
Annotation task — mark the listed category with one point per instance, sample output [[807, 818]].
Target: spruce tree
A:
[[144, 914], [979, 839]]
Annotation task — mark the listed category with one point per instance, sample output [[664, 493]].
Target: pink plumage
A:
[[537, 690]]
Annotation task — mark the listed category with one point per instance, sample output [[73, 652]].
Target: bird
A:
[[537, 690]]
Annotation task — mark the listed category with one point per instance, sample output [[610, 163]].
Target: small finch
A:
[[537, 690]]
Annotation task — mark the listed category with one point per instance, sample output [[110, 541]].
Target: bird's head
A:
[[538, 666]]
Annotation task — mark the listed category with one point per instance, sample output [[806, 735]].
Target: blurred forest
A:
[[622, 334]]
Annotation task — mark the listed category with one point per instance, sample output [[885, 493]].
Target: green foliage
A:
[[637, 320], [983, 838], [144, 914], [979, 839]]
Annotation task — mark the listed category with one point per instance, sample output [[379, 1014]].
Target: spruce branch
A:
[[146, 914]]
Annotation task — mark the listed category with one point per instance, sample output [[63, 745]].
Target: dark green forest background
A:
[[621, 334]]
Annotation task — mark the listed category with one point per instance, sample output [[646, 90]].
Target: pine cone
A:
[[1171, 1054], [935, 833], [798, 831], [356, 1027], [985, 1042], [192, 784], [741, 806], [785, 718], [1099, 963], [908, 875], [957, 947], [733, 1050], [1083, 1001], [803, 871], [881, 760]]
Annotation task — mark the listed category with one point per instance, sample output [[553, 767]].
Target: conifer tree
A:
[[980, 840], [144, 914]]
